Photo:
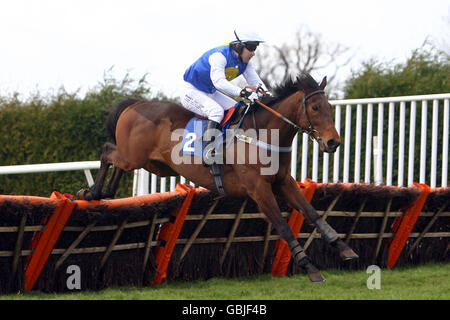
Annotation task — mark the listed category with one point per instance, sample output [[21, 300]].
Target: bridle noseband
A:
[[310, 129]]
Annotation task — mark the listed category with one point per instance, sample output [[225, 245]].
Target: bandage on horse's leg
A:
[[299, 255], [289, 190], [265, 199]]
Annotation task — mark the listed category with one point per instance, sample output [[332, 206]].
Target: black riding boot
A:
[[208, 137]]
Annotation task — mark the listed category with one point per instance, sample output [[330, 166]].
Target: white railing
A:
[[357, 155], [86, 166], [384, 150]]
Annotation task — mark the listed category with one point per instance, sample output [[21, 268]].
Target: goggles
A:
[[251, 45]]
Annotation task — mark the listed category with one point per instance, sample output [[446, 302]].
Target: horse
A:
[[141, 133]]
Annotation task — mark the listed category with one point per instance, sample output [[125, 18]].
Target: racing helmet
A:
[[249, 40]]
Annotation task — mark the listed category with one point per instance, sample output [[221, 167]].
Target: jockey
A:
[[210, 75]]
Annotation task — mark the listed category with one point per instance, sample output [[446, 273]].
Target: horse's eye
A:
[[315, 107]]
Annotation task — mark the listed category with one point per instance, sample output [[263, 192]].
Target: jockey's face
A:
[[246, 55]]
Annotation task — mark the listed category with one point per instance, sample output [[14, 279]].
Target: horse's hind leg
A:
[[113, 183], [265, 199], [95, 192]]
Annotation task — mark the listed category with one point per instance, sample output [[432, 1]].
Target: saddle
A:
[[232, 115]]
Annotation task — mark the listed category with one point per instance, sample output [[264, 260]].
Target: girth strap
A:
[[217, 177], [262, 144]]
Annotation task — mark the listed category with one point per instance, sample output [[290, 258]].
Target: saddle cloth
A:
[[192, 142]]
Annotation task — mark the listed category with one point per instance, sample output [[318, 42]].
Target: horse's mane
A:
[[304, 82]]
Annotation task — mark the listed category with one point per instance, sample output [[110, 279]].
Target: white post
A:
[[140, 182], [412, 138], [326, 162], [89, 178], [305, 138], [134, 192], [162, 187], [315, 167], [390, 147], [401, 145], [423, 143], [348, 137], [376, 155], [294, 157], [173, 183], [379, 159], [154, 183], [368, 143], [337, 122], [434, 142], [445, 144], [356, 178]]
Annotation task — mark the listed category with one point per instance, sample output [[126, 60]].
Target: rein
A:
[[310, 130]]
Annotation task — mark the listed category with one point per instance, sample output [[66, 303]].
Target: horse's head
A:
[[315, 114]]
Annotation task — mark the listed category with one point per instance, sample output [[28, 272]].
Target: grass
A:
[[426, 282]]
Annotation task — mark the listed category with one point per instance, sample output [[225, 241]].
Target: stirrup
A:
[[208, 156]]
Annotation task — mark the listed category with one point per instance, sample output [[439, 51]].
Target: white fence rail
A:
[[373, 148], [385, 143]]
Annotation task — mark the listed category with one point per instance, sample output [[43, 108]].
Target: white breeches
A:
[[210, 105]]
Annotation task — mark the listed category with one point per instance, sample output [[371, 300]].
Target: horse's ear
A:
[[323, 83]]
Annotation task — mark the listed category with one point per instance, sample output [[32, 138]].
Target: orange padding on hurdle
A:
[[48, 238], [43, 242], [283, 255], [30, 199], [170, 233], [405, 224]]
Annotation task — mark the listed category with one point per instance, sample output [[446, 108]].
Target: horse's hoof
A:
[[313, 273], [84, 194], [345, 252], [316, 277], [348, 254]]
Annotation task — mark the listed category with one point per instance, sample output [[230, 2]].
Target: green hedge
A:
[[426, 71], [61, 128]]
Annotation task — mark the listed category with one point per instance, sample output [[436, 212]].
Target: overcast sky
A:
[[46, 44]]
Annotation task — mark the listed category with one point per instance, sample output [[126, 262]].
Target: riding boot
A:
[[208, 137]]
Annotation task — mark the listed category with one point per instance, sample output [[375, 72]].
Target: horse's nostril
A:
[[333, 143]]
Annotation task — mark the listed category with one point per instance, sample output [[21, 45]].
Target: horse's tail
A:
[[114, 115]]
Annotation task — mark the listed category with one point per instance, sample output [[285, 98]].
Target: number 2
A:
[[188, 145]]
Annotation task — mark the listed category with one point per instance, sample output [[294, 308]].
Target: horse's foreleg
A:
[[289, 190], [265, 199]]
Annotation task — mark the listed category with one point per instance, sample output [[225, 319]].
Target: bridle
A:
[[310, 130]]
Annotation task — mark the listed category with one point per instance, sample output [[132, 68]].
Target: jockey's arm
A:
[[252, 77], [218, 62]]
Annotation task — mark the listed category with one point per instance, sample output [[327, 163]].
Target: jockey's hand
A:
[[249, 94], [264, 94]]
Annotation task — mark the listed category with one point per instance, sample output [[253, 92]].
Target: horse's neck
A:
[[289, 108]]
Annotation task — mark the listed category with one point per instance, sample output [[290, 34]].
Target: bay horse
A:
[[141, 132]]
